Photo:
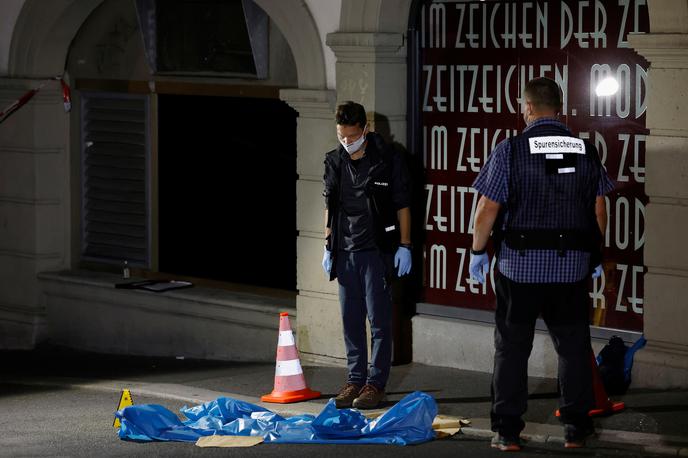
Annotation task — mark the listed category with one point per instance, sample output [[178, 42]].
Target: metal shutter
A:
[[115, 178]]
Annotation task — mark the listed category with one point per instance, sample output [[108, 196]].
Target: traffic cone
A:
[[290, 384], [603, 405]]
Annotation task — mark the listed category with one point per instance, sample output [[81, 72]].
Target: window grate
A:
[[115, 178]]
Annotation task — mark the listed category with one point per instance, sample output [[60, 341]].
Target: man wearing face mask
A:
[[542, 192], [368, 241]]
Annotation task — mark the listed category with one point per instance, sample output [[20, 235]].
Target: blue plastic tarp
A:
[[408, 422]]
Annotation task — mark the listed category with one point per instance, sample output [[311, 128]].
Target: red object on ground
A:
[[603, 405], [290, 383]]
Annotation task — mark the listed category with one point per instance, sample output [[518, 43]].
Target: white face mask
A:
[[351, 148]]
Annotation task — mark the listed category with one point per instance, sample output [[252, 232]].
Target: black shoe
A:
[[574, 436], [506, 443]]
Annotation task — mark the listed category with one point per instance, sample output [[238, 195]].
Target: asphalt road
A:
[[53, 422]]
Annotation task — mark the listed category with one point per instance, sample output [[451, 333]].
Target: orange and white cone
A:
[[290, 383], [603, 405]]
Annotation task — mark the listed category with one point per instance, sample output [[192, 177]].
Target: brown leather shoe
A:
[[369, 397], [347, 395]]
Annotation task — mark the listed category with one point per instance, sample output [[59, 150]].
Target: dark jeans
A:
[[564, 308], [365, 290]]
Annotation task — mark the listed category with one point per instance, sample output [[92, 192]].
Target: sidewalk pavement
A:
[[655, 421]]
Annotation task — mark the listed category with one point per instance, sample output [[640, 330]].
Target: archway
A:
[[43, 35], [39, 49], [44, 30]]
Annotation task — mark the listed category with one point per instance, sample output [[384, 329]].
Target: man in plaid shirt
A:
[[543, 194]]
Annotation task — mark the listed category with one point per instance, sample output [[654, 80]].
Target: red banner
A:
[[475, 59]]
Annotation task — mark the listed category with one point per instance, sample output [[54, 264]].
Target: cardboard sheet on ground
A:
[[228, 441], [444, 425], [408, 422]]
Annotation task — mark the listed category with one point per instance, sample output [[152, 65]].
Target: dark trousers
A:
[[365, 291], [564, 308]]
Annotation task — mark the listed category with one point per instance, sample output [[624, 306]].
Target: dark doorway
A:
[[227, 189]]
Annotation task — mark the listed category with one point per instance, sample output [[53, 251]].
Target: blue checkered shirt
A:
[[532, 266]]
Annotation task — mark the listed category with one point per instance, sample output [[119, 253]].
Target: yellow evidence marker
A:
[[124, 401]]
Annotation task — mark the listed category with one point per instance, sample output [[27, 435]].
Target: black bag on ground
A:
[[611, 364]]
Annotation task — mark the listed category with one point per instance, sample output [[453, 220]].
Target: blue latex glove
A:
[[479, 266], [597, 272], [402, 261], [327, 261]]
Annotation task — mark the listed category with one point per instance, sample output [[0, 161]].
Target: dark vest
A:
[[551, 202], [378, 192]]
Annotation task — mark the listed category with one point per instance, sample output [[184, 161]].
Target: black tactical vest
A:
[[553, 185]]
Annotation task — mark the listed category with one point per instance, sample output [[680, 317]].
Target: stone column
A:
[[318, 327], [664, 362], [371, 70], [34, 206]]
